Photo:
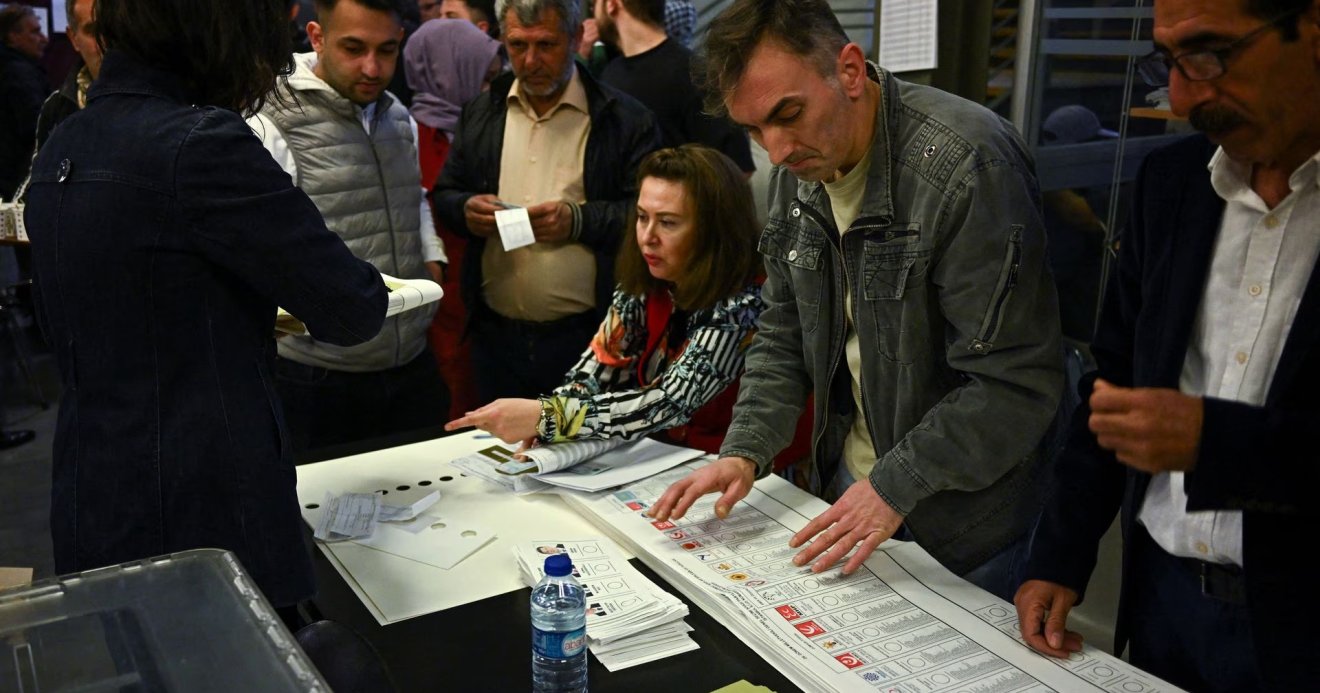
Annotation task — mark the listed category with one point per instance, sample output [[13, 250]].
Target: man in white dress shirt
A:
[[1202, 419]]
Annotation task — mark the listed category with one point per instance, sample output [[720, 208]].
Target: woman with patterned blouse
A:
[[667, 358]]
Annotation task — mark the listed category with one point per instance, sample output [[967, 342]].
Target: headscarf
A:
[[445, 62]]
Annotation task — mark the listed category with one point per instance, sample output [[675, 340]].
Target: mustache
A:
[[1214, 119]]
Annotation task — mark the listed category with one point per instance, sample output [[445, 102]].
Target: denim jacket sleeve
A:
[[1002, 338], [246, 216], [775, 382]]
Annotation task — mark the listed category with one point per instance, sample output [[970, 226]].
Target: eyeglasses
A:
[[1200, 65]]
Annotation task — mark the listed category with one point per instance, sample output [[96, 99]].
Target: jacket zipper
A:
[[389, 220], [1014, 259], [835, 241]]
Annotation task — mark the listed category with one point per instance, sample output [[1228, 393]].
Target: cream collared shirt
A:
[[1262, 261], [542, 160]]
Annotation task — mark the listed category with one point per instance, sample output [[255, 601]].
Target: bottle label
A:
[[555, 645]]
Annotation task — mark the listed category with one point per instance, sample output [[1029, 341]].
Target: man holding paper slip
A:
[[563, 151]]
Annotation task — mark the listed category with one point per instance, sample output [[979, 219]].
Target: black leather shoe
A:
[[13, 439]]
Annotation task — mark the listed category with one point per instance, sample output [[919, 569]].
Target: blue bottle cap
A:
[[558, 565]]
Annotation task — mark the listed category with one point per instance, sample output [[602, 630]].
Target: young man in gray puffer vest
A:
[[350, 145]]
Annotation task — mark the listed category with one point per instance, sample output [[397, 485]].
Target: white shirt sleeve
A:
[[273, 140], [433, 249]]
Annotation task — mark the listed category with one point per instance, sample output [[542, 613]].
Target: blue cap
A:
[[558, 565]]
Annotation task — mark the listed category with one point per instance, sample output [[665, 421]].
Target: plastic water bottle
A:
[[559, 630]]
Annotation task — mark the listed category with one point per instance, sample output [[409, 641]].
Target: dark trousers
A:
[[1192, 640], [515, 358], [324, 407]]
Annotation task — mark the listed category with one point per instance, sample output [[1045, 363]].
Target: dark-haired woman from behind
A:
[[163, 237], [667, 358]]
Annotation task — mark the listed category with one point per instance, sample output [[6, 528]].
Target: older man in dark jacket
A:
[[553, 140]]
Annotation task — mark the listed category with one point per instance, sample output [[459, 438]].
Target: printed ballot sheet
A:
[[901, 624]]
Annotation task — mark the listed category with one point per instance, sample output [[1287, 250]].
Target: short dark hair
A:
[[724, 255], [10, 17], [324, 7], [1278, 10], [529, 12], [228, 54], [484, 11], [804, 27], [649, 11]]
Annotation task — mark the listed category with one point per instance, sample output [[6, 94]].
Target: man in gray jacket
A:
[[906, 286], [350, 145]]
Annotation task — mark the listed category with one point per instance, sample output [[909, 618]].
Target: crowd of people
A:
[[893, 327]]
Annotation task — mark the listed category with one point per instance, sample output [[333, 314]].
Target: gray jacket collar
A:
[[878, 201]]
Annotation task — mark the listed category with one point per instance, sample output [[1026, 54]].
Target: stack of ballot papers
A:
[[630, 620], [587, 465]]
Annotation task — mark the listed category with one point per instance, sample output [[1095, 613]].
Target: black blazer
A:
[[1259, 460], [163, 237]]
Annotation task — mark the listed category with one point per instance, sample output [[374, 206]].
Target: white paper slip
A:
[[515, 228], [347, 516], [404, 513]]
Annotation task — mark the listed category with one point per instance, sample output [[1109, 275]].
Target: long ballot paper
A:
[[404, 295], [902, 624]]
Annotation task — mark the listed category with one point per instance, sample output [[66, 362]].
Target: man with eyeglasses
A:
[[1201, 419]]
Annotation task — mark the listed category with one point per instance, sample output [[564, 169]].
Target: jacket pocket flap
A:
[[793, 245]]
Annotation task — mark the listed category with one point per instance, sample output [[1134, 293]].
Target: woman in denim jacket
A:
[[163, 238]]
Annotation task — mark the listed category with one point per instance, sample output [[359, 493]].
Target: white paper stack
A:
[[630, 620], [589, 465]]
